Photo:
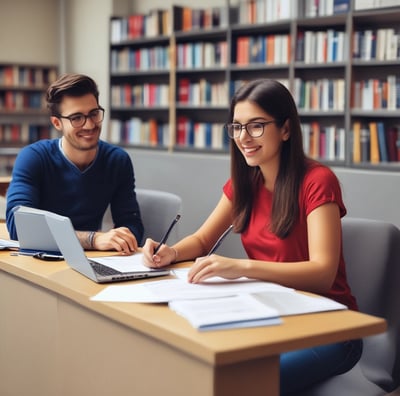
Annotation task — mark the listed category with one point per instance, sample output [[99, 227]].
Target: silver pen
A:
[[220, 240]]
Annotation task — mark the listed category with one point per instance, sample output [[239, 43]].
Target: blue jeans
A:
[[304, 368]]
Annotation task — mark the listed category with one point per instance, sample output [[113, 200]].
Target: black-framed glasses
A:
[[254, 129], [78, 120]]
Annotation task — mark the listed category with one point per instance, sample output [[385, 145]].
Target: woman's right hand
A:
[[165, 255]]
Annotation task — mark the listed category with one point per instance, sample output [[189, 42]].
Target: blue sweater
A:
[[44, 178]]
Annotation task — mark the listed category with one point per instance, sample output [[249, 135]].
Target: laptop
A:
[[100, 269], [34, 235]]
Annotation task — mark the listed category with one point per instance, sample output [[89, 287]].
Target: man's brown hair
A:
[[69, 85]]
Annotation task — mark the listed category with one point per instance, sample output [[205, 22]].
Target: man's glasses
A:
[[254, 129], [78, 120]]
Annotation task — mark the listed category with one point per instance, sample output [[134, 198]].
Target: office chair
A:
[[372, 254], [158, 209]]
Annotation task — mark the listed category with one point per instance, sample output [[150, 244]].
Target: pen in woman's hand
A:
[[165, 237], [220, 239]]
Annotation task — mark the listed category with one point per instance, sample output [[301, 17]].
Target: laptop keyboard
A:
[[103, 270]]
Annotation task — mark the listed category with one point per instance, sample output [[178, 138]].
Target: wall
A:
[[29, 31]]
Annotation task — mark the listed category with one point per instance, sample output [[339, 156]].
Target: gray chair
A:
[[372, 254], [158, 209]]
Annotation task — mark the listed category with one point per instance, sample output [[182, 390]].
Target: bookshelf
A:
[[23, 115], [339, 59]]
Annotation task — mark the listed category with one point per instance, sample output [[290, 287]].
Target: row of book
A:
[[202, 92], [272, 49], [22, 76], [25, 133], [148, 94], [380, 44], [202, 54], [376, 94], [131, 59], [318, 8], [375, 142], [154, 133], [325, 142], [138, 132], [155, 23], [322, 94], [200, 135], [311, 47], [188, 18], [321, 46], [158, 22], [262, 11], [18, 100]]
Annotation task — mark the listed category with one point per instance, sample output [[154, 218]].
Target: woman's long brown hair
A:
[[277, 101]]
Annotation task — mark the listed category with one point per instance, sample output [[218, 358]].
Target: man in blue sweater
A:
[[78, 175]]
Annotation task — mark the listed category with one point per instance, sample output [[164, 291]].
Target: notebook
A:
[[34, 235], [100, 269]]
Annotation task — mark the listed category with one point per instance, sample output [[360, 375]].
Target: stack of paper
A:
[[219, 303], [226, 312]]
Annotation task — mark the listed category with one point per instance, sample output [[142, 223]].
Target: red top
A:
[[320, 186]]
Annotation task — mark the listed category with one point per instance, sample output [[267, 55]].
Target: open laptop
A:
[[34, 235], [100, 269]]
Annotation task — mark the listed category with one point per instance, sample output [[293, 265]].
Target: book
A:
[[249, 310], [383, 151], [365, 143], [374, 143], [356, 142], [392, 137]]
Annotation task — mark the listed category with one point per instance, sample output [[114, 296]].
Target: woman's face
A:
[[262, 150]]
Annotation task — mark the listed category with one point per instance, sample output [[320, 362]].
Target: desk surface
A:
[[220, 347], [226, 353]]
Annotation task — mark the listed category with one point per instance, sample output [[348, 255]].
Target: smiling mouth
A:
[[250, 150]]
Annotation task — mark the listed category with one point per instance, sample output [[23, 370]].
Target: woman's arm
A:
[[315, 275]]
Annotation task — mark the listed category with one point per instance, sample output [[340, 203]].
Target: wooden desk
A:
[[55, 341]]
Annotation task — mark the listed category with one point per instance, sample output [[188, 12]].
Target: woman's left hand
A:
[[215, 265]]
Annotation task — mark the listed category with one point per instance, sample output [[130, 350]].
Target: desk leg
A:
[[252, 378]]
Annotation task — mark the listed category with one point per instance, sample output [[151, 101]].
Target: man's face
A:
[[86, 136]]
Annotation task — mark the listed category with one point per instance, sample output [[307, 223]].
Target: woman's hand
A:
[[165, 255], [215, 265]]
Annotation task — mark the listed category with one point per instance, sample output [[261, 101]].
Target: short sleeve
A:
[[321, 186], [227, 189]]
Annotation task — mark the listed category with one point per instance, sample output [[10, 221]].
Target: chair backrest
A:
[[371, 250], [372, 254], [158, 209]]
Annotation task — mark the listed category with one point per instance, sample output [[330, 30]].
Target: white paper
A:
[[229, 311], [294, 303], [133, 263], [8, 243], [166, 290]]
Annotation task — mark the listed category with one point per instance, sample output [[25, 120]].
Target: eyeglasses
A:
[[78, 120], [254, 129]]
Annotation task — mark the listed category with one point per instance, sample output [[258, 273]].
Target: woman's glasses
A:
[[254, 129]]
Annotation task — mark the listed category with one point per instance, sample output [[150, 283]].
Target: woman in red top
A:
[[288, 210]]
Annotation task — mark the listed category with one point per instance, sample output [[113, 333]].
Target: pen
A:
[[165, 237], [220, 239]]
